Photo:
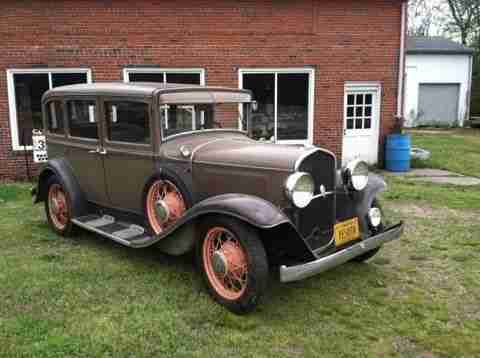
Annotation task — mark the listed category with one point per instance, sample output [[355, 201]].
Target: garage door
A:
[[438, 103]]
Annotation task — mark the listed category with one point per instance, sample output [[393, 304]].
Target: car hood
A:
[[245, 152]]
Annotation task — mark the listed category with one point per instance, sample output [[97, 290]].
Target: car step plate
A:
[[125, 233]]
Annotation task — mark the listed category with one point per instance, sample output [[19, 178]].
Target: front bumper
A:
[[300, 272]]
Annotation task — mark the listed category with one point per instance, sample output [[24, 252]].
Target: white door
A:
[[361, 124]]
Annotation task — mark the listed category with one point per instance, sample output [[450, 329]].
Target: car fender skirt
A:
[[302, 271]]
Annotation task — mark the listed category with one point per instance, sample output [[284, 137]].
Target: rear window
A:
[[82, 119]]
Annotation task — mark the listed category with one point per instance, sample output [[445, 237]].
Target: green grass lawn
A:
[[87, 296], [457, 150]]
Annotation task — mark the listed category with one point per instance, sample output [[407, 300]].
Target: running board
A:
[[124, 233]]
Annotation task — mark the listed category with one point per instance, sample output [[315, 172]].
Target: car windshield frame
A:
[[243, 119]]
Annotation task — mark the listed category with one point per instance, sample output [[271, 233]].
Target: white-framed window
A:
[[194, 76], [285, 98], [25, 90]]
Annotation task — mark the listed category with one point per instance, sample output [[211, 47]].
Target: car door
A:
[[84, 148], [129, 150]]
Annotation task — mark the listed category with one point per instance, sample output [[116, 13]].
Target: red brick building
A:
[[324, 72]]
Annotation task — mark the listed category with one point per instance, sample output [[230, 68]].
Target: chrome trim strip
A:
[[302, 271], [100, 232]]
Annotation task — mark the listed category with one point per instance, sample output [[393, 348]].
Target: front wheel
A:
[[233, 262]]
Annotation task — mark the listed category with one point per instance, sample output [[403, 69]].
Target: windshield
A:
[[181, 118]]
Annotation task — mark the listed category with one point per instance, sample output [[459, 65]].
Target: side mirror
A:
[[254, 106]]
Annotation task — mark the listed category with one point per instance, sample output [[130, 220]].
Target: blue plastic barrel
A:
[[397, 153]]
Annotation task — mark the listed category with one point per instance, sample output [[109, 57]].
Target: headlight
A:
[[356, 175], [300, 188]]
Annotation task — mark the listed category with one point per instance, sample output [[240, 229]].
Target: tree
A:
[[466, 19]]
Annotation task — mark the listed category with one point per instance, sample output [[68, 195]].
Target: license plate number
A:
[[346, 231]]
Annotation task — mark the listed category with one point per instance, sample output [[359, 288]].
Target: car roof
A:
[[146, 89]]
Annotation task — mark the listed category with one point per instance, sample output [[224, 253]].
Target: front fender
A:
[[254, 210], [250, 209], [353, 203]]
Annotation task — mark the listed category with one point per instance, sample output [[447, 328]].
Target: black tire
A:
[[68, 228], [257, 263], [369, 254]]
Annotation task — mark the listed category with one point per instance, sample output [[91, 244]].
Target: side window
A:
[[82, 119], [55, 117], [127, 122]]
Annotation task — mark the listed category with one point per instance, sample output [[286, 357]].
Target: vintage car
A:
[[152, 164]]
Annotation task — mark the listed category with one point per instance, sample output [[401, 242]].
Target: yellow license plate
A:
[[346, 231]]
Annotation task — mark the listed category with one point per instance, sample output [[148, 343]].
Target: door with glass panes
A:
[[361, 125]]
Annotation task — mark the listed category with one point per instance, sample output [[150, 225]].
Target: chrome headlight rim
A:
[[356, 175], [301, 199]]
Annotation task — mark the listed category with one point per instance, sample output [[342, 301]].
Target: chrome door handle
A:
[[102, 151], [93, 151]]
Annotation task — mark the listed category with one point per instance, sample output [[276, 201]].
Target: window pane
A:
[[351, 99], [63, 79], [292, 106], [350, 111], [263, 88], [146, 77], [187, 78], [358, 123], [29, 89], [82, 119], [368, 123], [177, 119], [359, 98], [349, 123], [359, 111], [368, 99], [55, 117], [128, 122], [368, 111]]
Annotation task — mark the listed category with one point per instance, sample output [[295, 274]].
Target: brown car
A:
[[148, 164]]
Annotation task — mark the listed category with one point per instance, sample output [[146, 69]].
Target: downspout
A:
[[401, 69], [469, 91]]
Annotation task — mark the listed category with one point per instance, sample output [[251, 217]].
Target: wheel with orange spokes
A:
[[233, 262], [165, 204], [57, 207]]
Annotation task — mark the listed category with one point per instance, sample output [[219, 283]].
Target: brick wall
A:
[[344, 40]]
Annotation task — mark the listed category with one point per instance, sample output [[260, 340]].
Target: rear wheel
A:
[[233, 262], [58, 207]]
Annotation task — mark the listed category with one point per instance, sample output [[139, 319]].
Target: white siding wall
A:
[[436, 69]]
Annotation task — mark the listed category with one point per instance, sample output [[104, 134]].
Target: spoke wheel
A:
[[165, 205], [58, 207], [225, 263], [233, 262]]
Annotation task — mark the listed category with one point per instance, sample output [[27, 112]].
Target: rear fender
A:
[[60, 168]]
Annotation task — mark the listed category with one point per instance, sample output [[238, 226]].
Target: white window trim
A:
[[12, 99], [128, 70], [311, 96]]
